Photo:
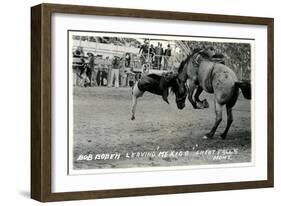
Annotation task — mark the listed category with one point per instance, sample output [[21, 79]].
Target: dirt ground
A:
[[161, 135]]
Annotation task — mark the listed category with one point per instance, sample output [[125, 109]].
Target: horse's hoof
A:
[[133, 118], [208, 136], [199, 105], [223, 136], [205, 137], [205, 103], [202, 104]]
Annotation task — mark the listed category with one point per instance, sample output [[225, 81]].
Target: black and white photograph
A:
[[158, 102]]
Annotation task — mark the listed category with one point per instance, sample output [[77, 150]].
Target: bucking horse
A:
[[160, 85], [199, 71]]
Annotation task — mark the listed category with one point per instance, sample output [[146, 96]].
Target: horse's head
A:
[[171, 80], [186, 70]]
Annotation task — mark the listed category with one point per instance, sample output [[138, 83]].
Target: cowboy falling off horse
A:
[[202, 70]]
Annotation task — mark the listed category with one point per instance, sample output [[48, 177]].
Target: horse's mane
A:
[[174, 87], [187, 59]]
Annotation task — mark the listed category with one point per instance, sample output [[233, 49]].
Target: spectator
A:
[[83, 67], [158, 54], [109, 71], [103, 75], [151, 53], [79, 52], [106, 71], [127, 60], [161, 55], [144, 51], [99, 75], [91, 73], [167, 53], [116, 65]]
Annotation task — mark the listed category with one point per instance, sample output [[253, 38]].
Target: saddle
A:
[[217, 58]]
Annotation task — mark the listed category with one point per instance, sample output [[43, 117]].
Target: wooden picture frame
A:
[[41, 98]]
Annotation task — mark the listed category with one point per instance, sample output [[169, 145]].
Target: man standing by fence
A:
[[158, 55], [144, 50], [116, 65], [167, 53], [91, 72]]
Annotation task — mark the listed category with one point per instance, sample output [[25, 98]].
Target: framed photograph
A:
[[130, 102]]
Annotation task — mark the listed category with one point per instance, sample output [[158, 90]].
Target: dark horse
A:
[[215, 78], [159, 85]]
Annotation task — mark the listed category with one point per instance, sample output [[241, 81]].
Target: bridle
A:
[[179, 99]]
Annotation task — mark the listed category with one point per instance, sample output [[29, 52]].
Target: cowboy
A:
[[208, 53]]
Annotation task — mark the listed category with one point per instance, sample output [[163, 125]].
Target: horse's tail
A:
[[245, 87]]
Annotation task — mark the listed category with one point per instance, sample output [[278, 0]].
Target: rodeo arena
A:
[[119, 85]]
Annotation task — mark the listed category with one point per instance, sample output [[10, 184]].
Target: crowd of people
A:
[[93, 70], [155, 55], [97, 70]]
